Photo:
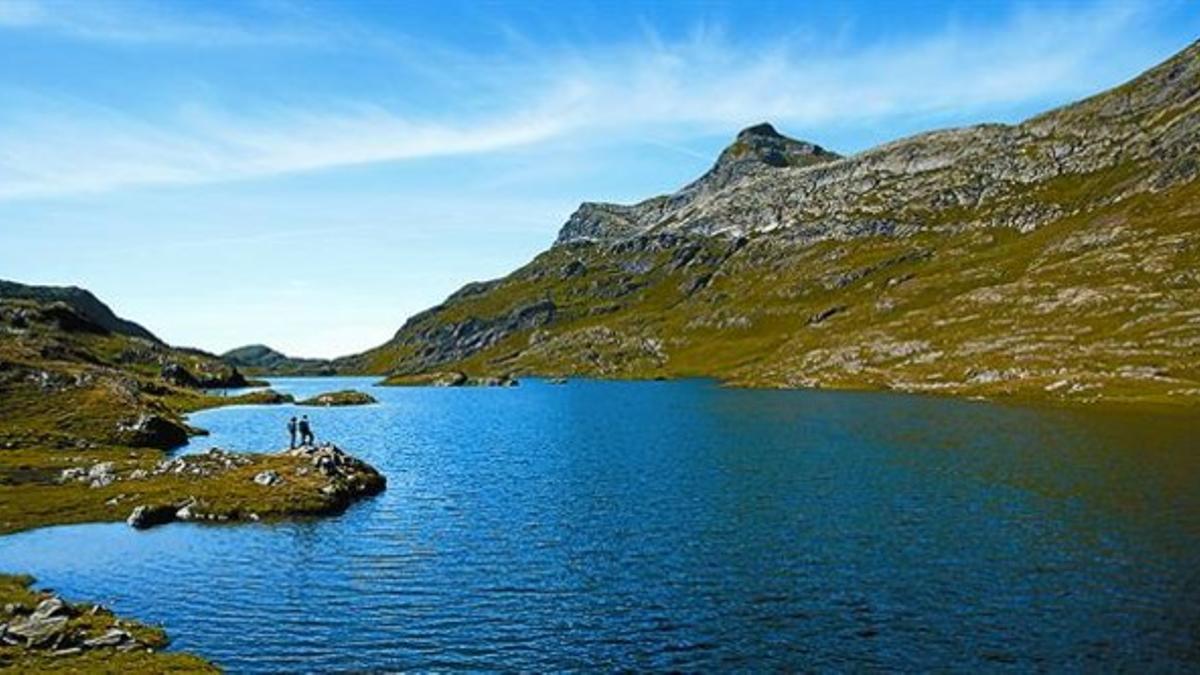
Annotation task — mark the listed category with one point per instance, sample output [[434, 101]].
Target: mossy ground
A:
[[32, 493]]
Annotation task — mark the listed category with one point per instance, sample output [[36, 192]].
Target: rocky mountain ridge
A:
[[960, 261], [757, 150], [81, 301]]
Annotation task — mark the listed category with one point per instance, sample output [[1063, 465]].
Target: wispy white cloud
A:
[[652, 88], [139, 21]]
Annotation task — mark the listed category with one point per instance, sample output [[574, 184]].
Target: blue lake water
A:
[[680, 525]]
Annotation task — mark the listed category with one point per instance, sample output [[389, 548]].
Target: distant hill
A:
[[73, 376], [262, 360], [82, 301], [1053, 259]]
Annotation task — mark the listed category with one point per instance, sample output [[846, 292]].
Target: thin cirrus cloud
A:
[[135, 21], [668, 90]]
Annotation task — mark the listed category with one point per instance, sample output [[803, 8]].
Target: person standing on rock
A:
[[291, 426], [306, 434]]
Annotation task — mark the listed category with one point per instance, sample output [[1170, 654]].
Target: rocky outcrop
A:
[[309, 480], [349, 478], [57, 627], [149, 515], [179, 376], [443, 341], [42, 632], [151, 431]]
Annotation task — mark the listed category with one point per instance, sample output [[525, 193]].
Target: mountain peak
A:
[[763, 144], [760, 129]]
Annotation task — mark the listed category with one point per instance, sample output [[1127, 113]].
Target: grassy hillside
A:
[[1054, 260]]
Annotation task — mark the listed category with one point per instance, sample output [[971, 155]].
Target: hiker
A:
[[292, 432], [306, 434]]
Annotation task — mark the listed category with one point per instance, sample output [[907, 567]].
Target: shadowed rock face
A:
[[1055, 258]]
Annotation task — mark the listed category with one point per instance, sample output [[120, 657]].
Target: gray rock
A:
[[51, 607], [114, 637], [36, 631], [146, 515]]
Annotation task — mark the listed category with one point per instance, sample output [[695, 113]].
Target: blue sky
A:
[[307, 175]]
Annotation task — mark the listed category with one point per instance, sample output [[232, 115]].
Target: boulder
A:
[[114, 637], [147, 515], [179, 376], [36, 632], [450, 379], [51, 607], [153, 431], [267, 478]]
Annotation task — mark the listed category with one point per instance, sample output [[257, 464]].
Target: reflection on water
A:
[[607, 525]]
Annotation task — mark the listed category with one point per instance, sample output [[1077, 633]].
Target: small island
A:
[[339, 398]]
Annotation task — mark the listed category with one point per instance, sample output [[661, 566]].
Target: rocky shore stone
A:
[[48, 628], [154, 431], [147, 515]]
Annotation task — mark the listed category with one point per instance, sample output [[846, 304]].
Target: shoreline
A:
[[147, 487], [220, 487], [1029, 398]]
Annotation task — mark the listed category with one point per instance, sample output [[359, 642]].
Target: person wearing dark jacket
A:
[[306, 434], [291, 426]]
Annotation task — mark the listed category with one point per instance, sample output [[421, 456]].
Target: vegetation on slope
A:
[[1054, 260]]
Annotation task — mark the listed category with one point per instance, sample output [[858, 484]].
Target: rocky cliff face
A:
[[1054, 258]]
